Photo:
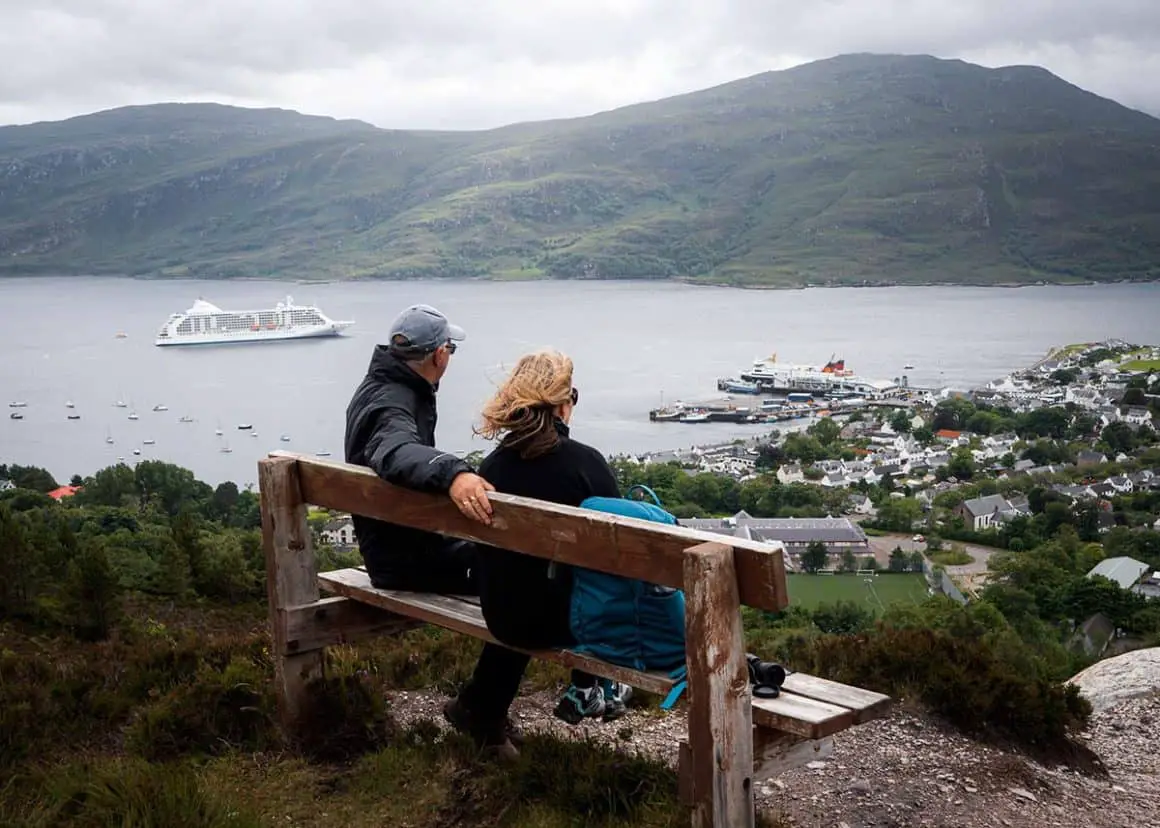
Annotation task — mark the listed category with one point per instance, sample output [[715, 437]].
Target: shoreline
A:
[[684, 281]]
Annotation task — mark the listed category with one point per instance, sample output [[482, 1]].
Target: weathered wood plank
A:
[[720, 723], [336, 620], [774, 752], [291, 579], [464, 617], [610, 543], [801, 716], [866, 704]]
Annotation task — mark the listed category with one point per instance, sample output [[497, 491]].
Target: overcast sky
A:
[[482, 63]]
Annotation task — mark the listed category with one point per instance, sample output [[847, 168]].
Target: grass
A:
[[876, 592], [952, 557], [1141, 365]]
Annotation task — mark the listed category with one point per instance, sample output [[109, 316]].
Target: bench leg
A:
[[720, 721], [291, 580]]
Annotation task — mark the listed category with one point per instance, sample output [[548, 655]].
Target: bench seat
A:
[[808, 707]]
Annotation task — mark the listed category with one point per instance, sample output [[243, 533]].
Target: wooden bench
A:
[[734, 740]]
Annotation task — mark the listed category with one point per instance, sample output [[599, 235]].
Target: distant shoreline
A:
[[689, 282]]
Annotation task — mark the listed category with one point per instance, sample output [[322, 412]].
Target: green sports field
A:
[[877, 592]]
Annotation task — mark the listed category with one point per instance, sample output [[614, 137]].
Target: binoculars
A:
[[765, 676]]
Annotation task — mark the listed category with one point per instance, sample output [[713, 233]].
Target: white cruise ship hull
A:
[[220, 338], [207, 324]]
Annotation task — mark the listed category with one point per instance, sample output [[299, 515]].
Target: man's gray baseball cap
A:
[[420, 329]]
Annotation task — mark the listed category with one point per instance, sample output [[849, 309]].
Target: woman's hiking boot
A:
[[494, 737], [616, 696], [580, 703]]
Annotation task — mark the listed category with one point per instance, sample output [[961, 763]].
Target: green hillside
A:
[[860, 169]]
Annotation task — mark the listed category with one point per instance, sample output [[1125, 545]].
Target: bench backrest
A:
[[597, 540]]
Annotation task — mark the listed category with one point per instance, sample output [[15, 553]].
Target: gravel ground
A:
[[908, 769]]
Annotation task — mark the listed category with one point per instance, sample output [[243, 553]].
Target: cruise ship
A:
[[206, 324], [780, 377]]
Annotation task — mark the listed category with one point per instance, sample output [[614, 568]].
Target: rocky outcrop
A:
[[1116, 680]]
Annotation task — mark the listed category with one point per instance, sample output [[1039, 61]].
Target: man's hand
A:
[[469, 493]]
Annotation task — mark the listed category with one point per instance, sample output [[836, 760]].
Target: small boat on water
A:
[[148, 442], [120, 404], [737, 386], [245, 427], [74, 416], [322, 454], [253, 434], [185, 419], [160, 407], [18, 404], [70, 404], [109, 438], [285, 438], [694, 417], [16, 415], [908, 367], [133, 415], [225, 449], [136, 451]]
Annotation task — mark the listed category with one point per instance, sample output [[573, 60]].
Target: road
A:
[[968, 575]]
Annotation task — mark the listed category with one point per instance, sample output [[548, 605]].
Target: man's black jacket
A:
[[390, 427]]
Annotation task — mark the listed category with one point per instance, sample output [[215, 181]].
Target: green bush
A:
[[219, 709], [983, 684]]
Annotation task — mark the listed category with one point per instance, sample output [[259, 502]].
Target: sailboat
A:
[[108, 436], [225, 449], [218, 430], [70, 404]]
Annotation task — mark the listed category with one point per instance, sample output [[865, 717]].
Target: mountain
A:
[[860, 169]]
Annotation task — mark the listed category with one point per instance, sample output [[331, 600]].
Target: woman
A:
[[526, 600]]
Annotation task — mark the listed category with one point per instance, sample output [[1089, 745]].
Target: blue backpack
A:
[[627, 621]]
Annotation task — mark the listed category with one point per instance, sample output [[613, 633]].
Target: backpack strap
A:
[[647, 491], [682, 675]]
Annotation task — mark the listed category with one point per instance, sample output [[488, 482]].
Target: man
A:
[[390, 427]]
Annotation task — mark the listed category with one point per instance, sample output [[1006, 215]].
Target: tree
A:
[[900, 422], [826, 431], [924, 435], [961, 465], [899, 560], [899, 514], [815, 557], [28, 477], [91, 594], [849, 562], [916, 561]]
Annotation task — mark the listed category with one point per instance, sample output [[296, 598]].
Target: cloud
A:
[[483, 63]]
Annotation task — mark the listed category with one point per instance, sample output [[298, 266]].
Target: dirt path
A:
[[906, 770]]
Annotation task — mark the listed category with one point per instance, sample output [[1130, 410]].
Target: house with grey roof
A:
[[790, 473], [5, 485], [1122, 570], [792, 534], [980, 512], [339, 533], [1090, 458]]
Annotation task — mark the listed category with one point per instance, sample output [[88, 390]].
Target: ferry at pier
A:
[[784, 378], [206, 324]]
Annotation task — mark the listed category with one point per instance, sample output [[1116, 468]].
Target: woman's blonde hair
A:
[[523, 408]]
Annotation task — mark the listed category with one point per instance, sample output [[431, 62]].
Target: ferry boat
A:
[[779, 377], [206, 324]]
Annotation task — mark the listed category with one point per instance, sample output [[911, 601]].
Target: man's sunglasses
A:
[[451, 346], [575, 396]]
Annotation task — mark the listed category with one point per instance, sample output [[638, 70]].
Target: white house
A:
[[859, 504], [790, 473], [5, 485], [981, 512], [1137, 415], [339, 532], [1122, 484]]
